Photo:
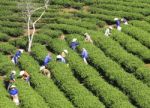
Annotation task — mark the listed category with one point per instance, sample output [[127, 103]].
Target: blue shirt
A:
[[15, 59], [73, 45], [118, 23], [84, 54], [62, 59], [18, 54], [12, 77], [13, 91], [47, 59]]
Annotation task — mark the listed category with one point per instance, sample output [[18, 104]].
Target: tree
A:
[[28, 8]]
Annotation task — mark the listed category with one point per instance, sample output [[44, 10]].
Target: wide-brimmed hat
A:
[[86, 34], [115, 19], [110, 27], [13, 86], [14, 72], [66, 51], [74, 39], [58, 56], [21, 50], [42, 67], [21, 73]]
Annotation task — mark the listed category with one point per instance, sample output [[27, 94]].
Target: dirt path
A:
[[69, 10], [147, 65], [86, 8]]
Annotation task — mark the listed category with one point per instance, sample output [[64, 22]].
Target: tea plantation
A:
[[118, 70]]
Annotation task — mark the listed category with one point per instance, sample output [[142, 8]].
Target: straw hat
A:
[[21, 50], [42, 67], [122, 19], [13, 86], [14, 72], [74, 39], [59, 56], [86, 34], [110, 27], [21, 73], [115, 19], [66, 51]]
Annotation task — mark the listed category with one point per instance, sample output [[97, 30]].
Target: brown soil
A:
[[86, 8], [31, 31], [69, 10], [147, 65], [1, 77]]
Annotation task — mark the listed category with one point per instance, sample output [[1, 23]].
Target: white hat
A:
[[13, 86], [122, 19], [42, 67], [110, 27], [21, 50], [21, 73], [59, 56], [66, 51], [74, 39], [86, 34], [115, 19], [83, 49], [14, 72]]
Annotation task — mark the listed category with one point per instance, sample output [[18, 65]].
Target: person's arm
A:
[[83, 54]]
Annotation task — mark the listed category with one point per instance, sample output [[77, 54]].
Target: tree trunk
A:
[[29, 46]]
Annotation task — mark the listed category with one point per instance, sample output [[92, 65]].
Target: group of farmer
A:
[[118, 26], [12, 78], [12, 89], [60, 58]]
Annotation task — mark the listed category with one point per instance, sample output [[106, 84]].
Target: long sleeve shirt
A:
[[117, 23], [73, 45], [47, 60], [18, 54], [84, 54], [61, 59], [13, 92]]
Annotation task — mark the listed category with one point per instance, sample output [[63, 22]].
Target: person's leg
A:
[[9, 85], [28, 80], [85, 61], [16, 100], [48, 75]]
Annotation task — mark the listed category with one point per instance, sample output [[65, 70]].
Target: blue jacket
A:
[[73, 45], [62, 59], [118, 23], [13, 91], [18, 54], [84, 54], [47, 59], [15, 58], [12, 77]]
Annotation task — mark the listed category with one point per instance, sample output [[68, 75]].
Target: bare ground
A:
[[69, 10], [86, 8]]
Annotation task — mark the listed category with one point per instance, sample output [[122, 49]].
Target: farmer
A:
[[25, 76], [124, 21], [62, 37], [45, 71], [14, 94], [16, 56], [11, 79], [108, 31], [88, 38], [47, 59], [60, 58], [84, 55], [64, 52], [74, 43], [118, 24]]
